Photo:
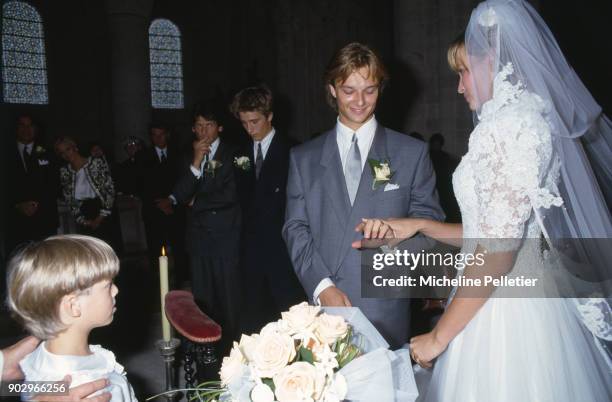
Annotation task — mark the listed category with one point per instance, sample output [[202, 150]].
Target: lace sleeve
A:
[[515, 151]]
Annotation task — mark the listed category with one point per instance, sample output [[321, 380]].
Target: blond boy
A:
[[60, 289]]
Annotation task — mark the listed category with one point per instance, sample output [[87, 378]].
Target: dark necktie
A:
[[258, 161], [27, 158], [163, 158]]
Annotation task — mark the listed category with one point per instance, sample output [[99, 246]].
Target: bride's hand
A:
[[392, 228], [425, 348]]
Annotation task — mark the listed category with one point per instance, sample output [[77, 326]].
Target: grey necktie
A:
[[258, 161], [352, 169]]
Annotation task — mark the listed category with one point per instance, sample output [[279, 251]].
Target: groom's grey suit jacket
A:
[[320, 221]]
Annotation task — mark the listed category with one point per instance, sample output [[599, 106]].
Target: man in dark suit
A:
[[207, 187], [32, 189], [128, 174], [269, 282], [163, 221]]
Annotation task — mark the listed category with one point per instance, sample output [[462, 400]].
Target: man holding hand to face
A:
[[206, 186]]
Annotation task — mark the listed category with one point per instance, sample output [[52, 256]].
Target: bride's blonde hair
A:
[[456, 54]]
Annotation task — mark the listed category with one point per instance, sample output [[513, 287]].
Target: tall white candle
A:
[[163, 288]]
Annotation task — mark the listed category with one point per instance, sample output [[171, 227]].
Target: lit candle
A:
[[163, 288]]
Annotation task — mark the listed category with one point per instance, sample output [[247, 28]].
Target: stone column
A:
[[128, 22]]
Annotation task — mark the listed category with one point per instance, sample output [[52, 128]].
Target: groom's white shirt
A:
[[344, 136]]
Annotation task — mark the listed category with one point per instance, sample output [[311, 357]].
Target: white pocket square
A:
[[42, 162], [391, 186]]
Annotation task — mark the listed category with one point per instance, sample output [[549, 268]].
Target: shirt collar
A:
[[365, 134], [21, 146], [213, 147], [160, 150], [265, 143]]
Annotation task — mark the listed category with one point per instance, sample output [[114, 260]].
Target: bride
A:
[[525, 177]]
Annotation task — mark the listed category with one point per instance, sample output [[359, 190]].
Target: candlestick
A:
[[163, 289]]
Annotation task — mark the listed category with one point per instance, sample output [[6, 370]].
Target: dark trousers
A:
[[168, 231], [215, 283], [270, 287]]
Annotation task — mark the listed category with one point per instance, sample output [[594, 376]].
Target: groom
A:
[[330, 188]]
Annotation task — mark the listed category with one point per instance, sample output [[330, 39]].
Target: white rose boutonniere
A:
[[39, 149], [243, 163], [381, 170], [212, 166]]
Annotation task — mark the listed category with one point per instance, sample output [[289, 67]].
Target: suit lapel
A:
[[333, 177]]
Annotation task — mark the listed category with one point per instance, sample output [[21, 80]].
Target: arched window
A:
[[24, 67], [166, 65]]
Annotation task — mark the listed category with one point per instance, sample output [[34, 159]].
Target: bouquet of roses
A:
[[296, 358]]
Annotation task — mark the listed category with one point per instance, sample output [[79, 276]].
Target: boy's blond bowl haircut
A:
[[42, 273]]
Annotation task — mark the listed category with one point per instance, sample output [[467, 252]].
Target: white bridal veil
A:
[[510, 32]]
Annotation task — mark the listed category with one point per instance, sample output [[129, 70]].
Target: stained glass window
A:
[[24, 67], [166, 65]]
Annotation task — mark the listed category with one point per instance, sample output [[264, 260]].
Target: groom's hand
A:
[[334, 297]]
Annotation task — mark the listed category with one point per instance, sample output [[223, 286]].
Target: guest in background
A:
[[444, 165], [129, 173], [32, 187], [269, 282], [88, 188], [164, 222], [97, 151], [207, 187]]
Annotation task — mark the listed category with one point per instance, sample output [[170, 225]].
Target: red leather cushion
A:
[[188, 319]]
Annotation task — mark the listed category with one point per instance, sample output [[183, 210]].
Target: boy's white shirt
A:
[[41, 365]]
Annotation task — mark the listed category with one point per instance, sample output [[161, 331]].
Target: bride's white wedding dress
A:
[[515, 349]]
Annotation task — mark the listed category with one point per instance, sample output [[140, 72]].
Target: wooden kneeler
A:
[[200, 332]]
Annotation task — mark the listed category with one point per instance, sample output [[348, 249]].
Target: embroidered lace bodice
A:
[[509, 168]]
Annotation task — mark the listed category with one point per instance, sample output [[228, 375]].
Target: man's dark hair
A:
[[253, 99], [159, 125], [209, 110]]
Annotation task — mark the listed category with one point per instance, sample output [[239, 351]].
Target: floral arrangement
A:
[[296, 358]]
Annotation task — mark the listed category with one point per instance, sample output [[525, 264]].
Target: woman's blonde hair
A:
[[456, 53], [42, 273]]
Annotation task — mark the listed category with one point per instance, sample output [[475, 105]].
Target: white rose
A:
[[232, 365], [337, 389], [298, 382], [247, 346], [276, 327], [243, 160], [301, 317], [382, 172], [262, 393], [330, 328], [272, 352]]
